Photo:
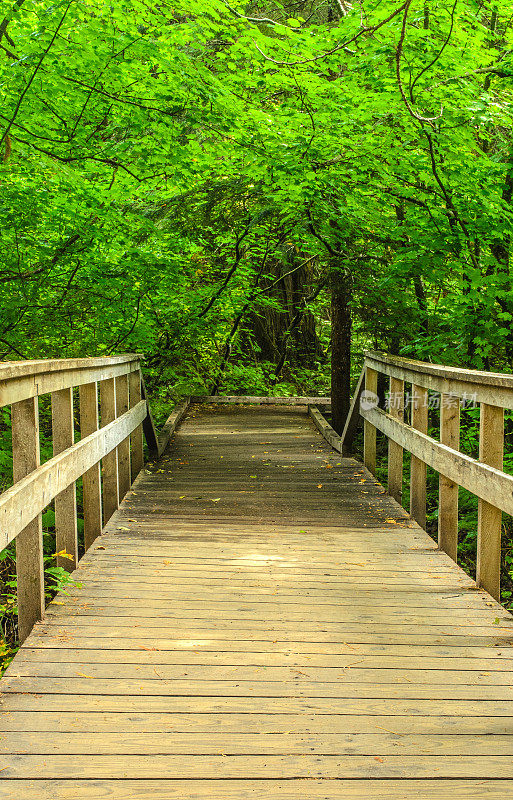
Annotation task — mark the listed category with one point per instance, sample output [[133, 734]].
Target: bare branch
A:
[[398, 53]]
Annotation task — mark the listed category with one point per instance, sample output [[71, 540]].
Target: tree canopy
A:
[[214, 184]]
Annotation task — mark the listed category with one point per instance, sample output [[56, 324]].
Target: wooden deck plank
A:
[[151, 722], [261, 620], [261, 743], [156, 789], [305, 673], [341, 689], [46, 643], [372, 657], [162, 640], [251, 767], [199, 704]]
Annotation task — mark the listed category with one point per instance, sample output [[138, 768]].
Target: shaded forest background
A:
[[242, 191]]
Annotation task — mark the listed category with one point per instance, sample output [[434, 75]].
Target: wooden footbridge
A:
[[259, 618]]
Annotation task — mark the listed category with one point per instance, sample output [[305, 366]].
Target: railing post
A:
[[395, 451], [369, 431], [136, 438], [110, 461], [448, 490], [418, 469], [124, 446], [489, 518], [63, 435], [91, 480], [29, 543]]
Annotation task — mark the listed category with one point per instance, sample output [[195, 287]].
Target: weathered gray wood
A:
[[448, 489], [213, 635], [63, 436], [260, 400], [29, 544], [32, 384], [29, 496], [110, 479], [91, 479], [123, 449], [473, 386], [395, 451], [171, 424], [10, 370], [150, 432], [324, 428], [489, 517], [354, 417], [369, 431], [136, 437], [419, 421], [477, 477]]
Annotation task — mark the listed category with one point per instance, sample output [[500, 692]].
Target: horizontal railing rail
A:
[[32, 494], [22, 380], [279, 400], [114, 415], [484, 477]]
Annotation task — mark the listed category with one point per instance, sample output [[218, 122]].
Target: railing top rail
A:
[[473, 376], [10, 370]]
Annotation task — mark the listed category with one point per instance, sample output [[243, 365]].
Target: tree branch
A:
[[34, 73]]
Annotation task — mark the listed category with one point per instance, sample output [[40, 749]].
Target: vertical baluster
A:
[[489, 518], [29, 543], [63, 435], [136, 438], [418, 470], [395, 451], [448, 490], [124, 446], [369, 431], [110, 461], [91, 480]]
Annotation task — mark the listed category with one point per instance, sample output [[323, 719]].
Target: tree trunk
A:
[[340, 350]]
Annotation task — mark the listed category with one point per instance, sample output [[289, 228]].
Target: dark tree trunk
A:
[[340, 350]]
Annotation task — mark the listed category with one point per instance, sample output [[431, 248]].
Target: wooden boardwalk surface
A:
[[260, 620]]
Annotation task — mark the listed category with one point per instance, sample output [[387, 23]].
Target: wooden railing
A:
[[108, 457], [484, 477]]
